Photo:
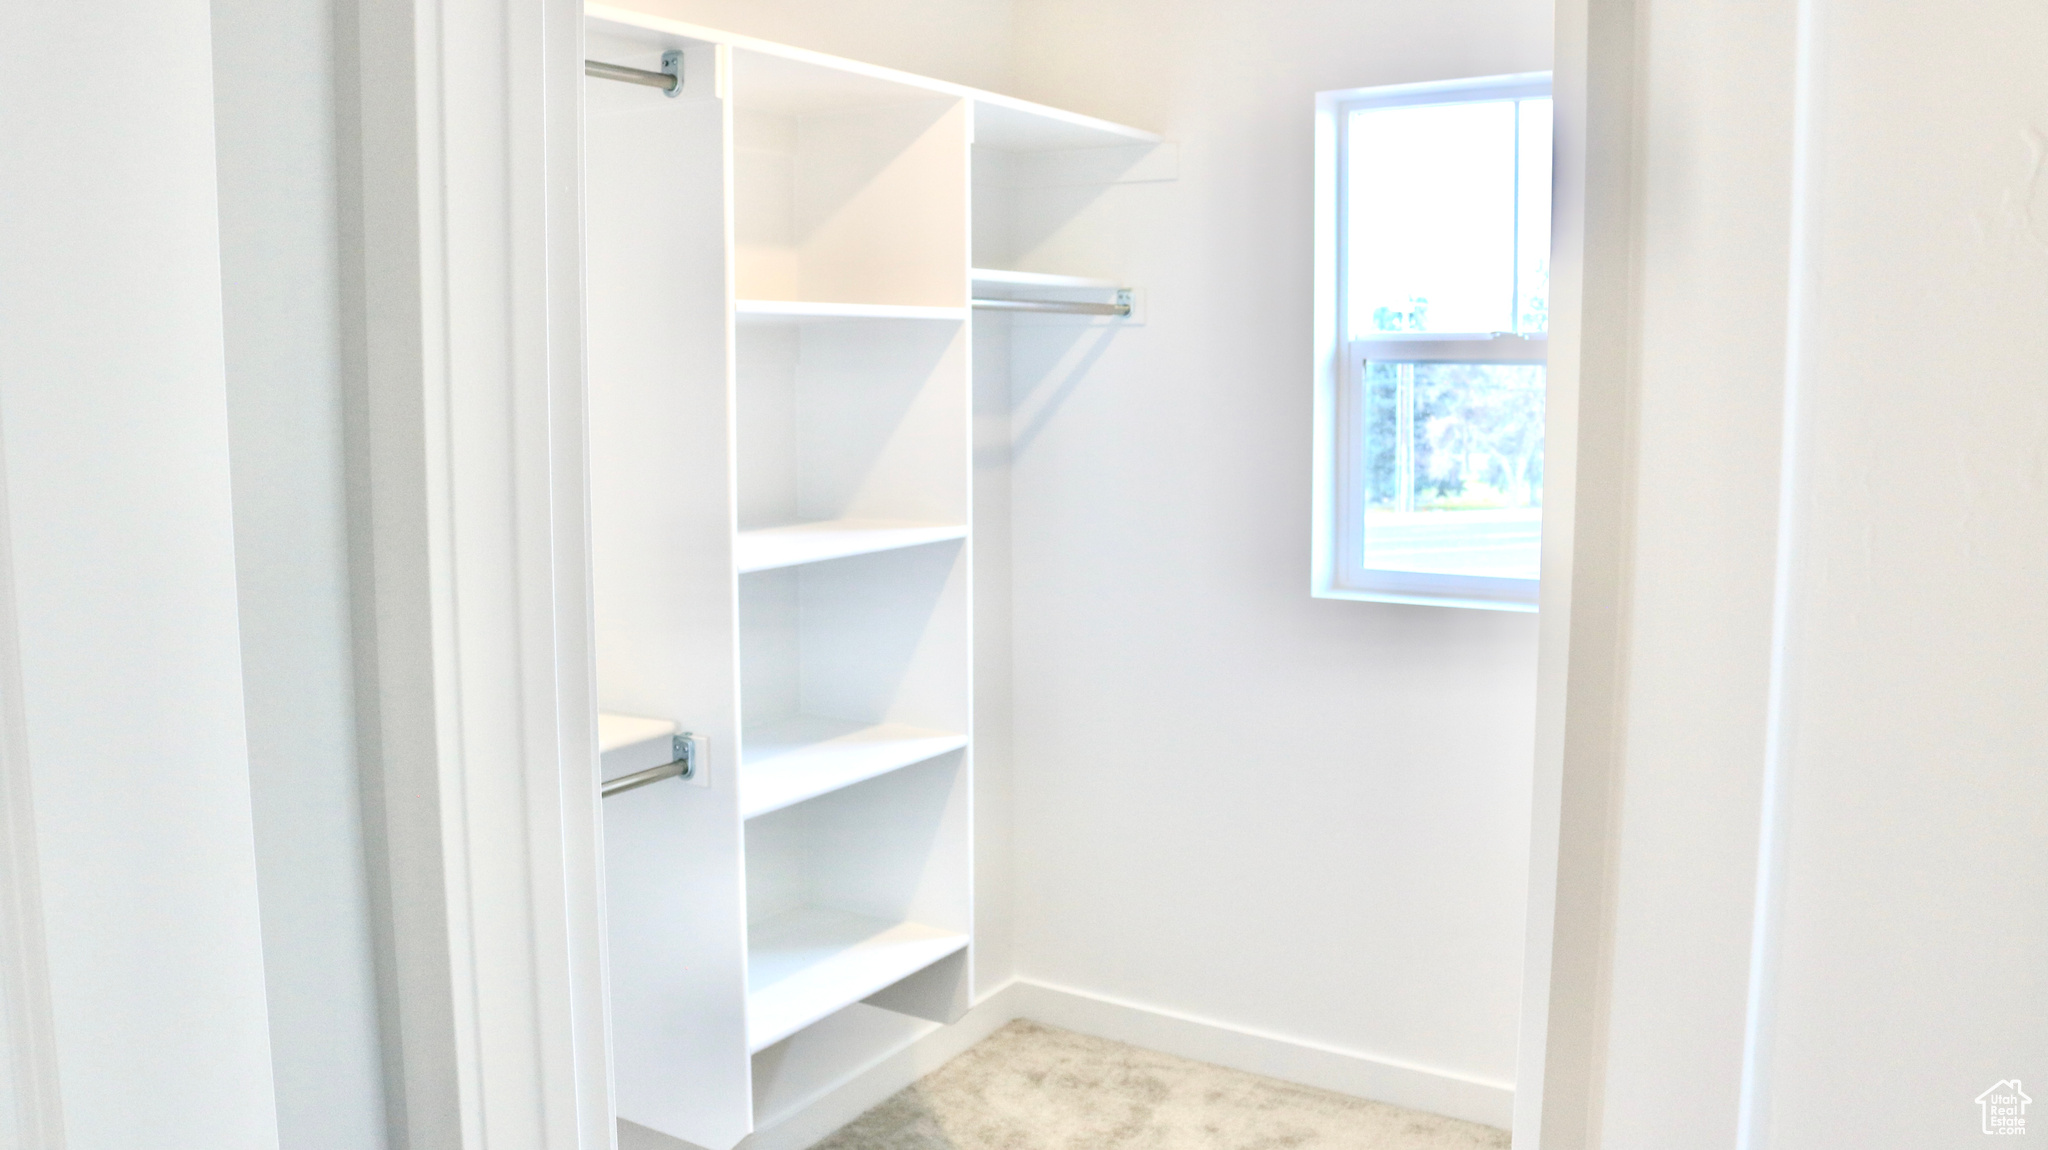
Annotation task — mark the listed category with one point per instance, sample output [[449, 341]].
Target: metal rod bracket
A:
[[669, 79], [682, 766], [1122, 306]]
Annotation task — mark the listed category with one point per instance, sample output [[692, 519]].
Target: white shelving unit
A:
[[628, 743], [810, 962], [784, 311], [781, 265], [991, 277]]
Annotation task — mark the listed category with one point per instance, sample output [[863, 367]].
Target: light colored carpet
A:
[[1032, 1087]]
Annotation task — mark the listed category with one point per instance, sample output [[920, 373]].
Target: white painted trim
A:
[[1518, 85], [1581, 672], [1329, 473], [471, 541], [1273, 1055], [1512, 605]]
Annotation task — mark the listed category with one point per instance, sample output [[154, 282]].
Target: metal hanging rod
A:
[[1122, 306], [683, 767], [669, 79]]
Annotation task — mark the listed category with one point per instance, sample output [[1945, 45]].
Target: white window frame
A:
[[1338, 569]]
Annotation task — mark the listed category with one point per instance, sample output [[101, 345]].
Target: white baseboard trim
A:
[[1361, 1076], [1275, 1056]]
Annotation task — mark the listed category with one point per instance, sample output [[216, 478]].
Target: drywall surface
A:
[[133, 965], [1301, 817], [1910, 860], [965, 41], [274, 111], [1821, 913]]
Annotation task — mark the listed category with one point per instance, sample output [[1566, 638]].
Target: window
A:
[[1435, 220]]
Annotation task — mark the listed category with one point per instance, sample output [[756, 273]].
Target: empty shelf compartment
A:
[[813, 961], [784, 763], [767, 548]]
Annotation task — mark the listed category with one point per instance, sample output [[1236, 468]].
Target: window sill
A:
[[1415, 600]]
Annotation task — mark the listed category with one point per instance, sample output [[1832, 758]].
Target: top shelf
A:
[[992, 277], [628, 743], [782, 80], [1007, 124], [793, 311]]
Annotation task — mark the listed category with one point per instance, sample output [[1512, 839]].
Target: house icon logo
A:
[[2004, 1108]]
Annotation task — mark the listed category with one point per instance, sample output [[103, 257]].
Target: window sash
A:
[[1522, 87], [1440, 93], [1353, 573]]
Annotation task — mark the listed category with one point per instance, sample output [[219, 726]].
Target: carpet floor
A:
[[1033, 1087]]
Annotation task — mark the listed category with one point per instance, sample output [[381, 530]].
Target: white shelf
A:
[[1008, 124], [767, 548], [628, 743], [1040, 280], [813, 961], [785, 311], [787, 762], [798, 81], [815, 1061]]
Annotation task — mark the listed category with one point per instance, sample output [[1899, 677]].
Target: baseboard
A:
[[1288, 1059], [1343, 1071]]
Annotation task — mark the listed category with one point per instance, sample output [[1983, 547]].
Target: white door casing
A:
[[461, 140]]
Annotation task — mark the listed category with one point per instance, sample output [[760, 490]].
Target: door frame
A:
[[461, 165], [474, 637], [1581, 674]]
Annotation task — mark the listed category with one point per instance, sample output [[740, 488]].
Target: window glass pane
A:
[[1453, 468], [1431, 223], [1532, 219]]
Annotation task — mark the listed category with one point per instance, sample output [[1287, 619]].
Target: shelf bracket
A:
[[683, 766]]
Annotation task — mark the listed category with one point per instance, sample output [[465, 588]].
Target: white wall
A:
[[274, 99], [1806, 785], [133, 960], [1911, 888], [1301, 817]]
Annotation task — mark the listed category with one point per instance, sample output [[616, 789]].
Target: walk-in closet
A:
[[787, 255]]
